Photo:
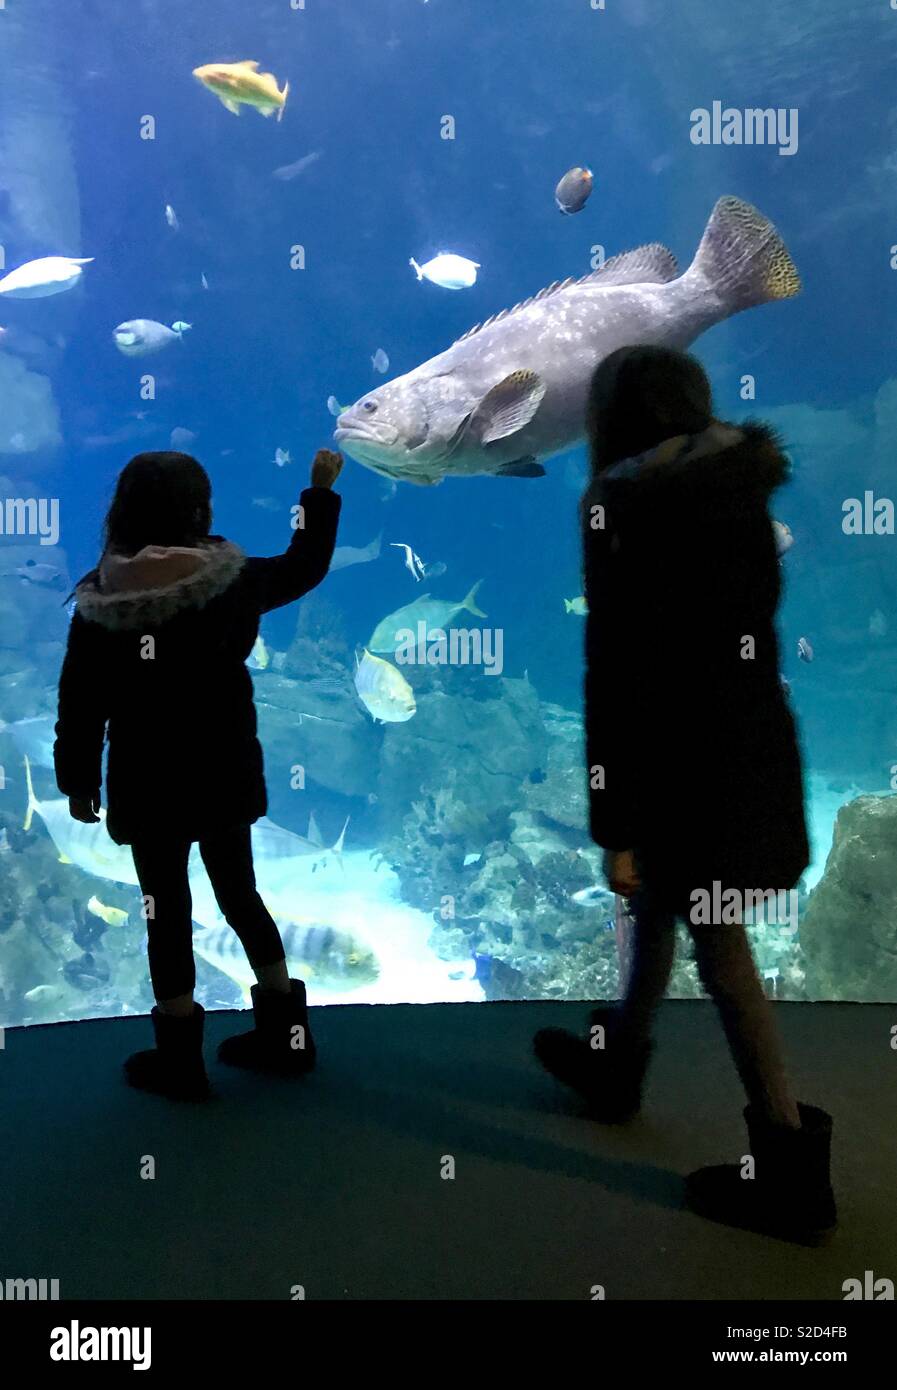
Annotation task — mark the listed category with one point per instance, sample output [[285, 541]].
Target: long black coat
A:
[[184, 758], [685, 710]]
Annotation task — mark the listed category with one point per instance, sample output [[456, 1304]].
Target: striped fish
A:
[[326, 957]]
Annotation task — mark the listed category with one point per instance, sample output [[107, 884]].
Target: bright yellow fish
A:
[[112, 916], [241, 84]]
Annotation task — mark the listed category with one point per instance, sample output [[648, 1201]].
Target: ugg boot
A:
[[175, 1067], [790, 1194], [281, 1041], [610, 1078]]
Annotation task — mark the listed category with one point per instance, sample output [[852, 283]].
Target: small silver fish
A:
[[287, 172], [270, 504], [413, 563], [380, 361], [804, 650], [34, 573], [282, 457], [783, 536], [574, 189], [171, 218], [334, 406], [203, 281], [181, 437]]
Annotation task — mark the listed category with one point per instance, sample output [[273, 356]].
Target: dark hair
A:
[[160, 499], [640, 396]]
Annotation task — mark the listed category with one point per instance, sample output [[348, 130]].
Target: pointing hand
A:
[[326, 468]]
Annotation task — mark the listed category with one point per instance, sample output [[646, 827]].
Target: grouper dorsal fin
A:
[[653, 264]]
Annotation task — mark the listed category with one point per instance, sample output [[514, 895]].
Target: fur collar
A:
[[144, 607], [718, 470]]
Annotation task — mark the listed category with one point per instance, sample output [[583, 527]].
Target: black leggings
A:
[[161, 866]]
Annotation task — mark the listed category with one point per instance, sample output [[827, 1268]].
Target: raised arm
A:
[[282, 578]]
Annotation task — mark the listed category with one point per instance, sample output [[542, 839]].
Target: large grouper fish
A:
[[512, 391]]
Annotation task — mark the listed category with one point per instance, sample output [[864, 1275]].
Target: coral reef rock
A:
[[849, 930], [560, 793], [491, 745]]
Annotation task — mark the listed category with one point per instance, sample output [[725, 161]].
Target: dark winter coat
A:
[[702, 773], [183, 753]]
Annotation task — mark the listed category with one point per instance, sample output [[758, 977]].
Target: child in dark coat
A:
[[695, 780], [156, 662]]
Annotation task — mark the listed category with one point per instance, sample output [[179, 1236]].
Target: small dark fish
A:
[[804, 650], [574, 189]]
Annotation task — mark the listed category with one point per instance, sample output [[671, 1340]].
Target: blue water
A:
[[534, 88]]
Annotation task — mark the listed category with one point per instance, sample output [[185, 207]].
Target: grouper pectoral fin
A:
[[508, 407], [521, 468], [231, 105]]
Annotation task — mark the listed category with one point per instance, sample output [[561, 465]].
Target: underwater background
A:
[[466, 871]]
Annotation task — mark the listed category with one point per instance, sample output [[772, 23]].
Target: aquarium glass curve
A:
[[293, 237]]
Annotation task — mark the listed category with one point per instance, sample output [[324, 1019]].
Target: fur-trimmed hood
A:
[[159, 582], [715, 471]]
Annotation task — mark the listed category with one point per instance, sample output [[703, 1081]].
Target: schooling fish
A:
[[574, 189], [513, 390], [282, 457], [171, 218], [804, 650], [435, 613], [380, 361], [577, 606], [241, 84], [383, 690], [44, 277]]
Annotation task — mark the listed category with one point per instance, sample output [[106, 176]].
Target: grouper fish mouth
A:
[[512, 391]]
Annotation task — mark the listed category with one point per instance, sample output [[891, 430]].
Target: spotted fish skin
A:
[[513, 390]]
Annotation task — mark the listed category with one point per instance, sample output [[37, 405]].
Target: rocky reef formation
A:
[[849, 929]]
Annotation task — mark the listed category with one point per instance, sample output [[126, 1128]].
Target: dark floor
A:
[[334, 1182]]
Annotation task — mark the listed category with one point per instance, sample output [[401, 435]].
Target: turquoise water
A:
[[287, 249]]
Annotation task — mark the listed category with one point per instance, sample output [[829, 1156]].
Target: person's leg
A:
[[653, 949], [161, 867], [228, 860], [730, 976]]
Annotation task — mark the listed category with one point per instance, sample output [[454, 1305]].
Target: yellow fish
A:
[[383, 690], [241, 84], [112, 916], [576, 605]]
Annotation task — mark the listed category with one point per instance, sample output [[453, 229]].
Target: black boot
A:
[[790, 1195], [174, 1068], [610, 1078], [281, 1041]]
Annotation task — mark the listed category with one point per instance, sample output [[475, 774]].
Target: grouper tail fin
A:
[[32, 805], [743, 257]]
